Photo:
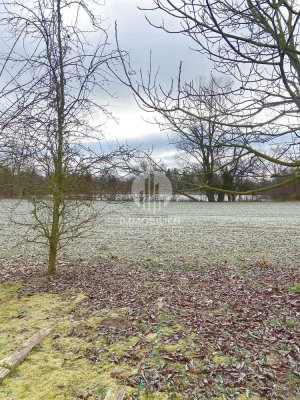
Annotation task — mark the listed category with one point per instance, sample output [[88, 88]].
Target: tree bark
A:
[[221, 197], [210, 196], [58, 178], [54, 239]]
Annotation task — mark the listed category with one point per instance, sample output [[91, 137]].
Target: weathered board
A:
[[3, 373], [19, 355], [121, 394], [113, 394]]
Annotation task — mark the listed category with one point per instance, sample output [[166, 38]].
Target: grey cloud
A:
[[139, 38]]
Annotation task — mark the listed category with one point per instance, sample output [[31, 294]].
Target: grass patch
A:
[[295, 288], [288, 322]]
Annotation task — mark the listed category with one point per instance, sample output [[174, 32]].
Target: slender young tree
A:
[[65, 110]]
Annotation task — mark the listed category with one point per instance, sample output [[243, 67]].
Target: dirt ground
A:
[[162, 333]]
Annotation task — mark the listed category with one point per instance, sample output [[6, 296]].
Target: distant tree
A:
[[290, 192], [199, 142]]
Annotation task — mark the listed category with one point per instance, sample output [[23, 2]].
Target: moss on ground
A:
[[222, 360], [20, 318], [57, 368]]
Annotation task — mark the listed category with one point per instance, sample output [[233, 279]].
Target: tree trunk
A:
[[210, 196], [54, 237], [52, 260], [221, 197], [58, 178]]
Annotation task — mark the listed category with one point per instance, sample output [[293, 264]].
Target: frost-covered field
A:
[[181, 233]]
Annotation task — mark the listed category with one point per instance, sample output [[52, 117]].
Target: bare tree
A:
[[256, 43], [63, 111], [199, 142]]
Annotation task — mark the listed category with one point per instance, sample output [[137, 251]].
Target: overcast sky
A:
[[139, 38]]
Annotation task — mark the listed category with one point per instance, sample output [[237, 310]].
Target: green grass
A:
[[288, 322], [295, 288]]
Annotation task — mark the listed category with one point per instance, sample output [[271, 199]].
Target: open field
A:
[[190, 234]]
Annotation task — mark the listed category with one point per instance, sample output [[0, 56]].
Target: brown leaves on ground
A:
[[200, 334]]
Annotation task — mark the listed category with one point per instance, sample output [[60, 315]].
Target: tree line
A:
[[27, 183]]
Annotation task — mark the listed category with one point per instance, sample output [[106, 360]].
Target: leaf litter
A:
[[225, 332]]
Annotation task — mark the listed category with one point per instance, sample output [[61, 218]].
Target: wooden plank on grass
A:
[[3, 373], [111, 395], [19, 355], [121, 394]]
